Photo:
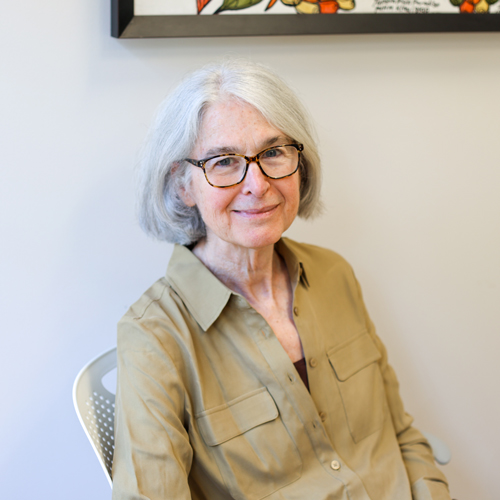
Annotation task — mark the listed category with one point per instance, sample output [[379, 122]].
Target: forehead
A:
[[236, 126]]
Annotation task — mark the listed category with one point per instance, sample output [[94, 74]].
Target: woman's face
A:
[[256, 212]]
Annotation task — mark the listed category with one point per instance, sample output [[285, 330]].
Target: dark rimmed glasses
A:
[[276, 162]]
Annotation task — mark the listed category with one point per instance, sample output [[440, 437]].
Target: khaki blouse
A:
[[209, 405]]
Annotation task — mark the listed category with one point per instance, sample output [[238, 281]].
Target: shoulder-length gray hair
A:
[[174, 132]]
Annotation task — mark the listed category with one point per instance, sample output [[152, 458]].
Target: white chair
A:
[[95, 407], [440, 450]]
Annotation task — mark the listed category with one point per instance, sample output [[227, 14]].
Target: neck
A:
[[251, 272]]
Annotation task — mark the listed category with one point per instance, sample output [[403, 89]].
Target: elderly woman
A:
[[252, 370]]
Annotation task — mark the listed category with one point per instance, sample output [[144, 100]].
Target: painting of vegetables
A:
[[200, 18], [301, 6], [356, 6]]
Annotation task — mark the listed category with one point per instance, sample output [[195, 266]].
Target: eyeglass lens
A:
[[276, 162]]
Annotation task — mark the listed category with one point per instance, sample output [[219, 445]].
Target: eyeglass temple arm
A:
[[196, 163]]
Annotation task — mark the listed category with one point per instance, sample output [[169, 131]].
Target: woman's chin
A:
[[258, 239]]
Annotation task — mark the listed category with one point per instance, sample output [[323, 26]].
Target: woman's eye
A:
[[272, 153], [225, 162]]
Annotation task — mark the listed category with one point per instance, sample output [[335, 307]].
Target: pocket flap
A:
[[236, 417], [352, 357]]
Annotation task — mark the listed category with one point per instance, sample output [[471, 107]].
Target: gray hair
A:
[[161, 171]]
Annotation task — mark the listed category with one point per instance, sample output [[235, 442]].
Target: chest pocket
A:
[[254, 452], [361, 386]]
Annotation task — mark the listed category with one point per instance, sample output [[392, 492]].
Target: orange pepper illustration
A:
[[317, 6], [473, 6]]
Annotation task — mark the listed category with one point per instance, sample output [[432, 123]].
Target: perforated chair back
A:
[[95, 407]]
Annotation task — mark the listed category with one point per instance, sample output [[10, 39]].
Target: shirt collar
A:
[[294, 265], [202, 292]]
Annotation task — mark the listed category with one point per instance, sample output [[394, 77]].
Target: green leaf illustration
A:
[[236, 5]]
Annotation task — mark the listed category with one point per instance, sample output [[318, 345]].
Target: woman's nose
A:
[[255, 181]]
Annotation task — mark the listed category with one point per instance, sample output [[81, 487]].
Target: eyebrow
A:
[[231, 149]]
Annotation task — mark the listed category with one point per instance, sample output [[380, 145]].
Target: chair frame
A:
[[95, 407]]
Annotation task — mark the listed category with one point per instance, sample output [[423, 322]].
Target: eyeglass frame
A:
[[248, 159]]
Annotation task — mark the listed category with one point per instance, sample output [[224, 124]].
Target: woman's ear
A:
[[184, 191], [186, 197]]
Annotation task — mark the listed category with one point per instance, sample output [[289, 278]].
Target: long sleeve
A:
[[153, 455], [426, 480]]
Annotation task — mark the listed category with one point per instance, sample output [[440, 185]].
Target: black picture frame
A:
[[124, 24]]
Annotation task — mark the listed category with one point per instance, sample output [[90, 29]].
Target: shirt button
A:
[[296, 311], [322, 416], [313, 362], [335, 465]]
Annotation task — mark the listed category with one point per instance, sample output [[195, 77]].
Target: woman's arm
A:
[[153, 456], [426, 480]]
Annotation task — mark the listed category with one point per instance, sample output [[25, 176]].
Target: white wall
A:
[[408, 127]]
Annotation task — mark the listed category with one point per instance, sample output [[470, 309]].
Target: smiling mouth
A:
[[255, 212]]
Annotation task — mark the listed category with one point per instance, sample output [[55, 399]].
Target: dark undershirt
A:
[[301, 367]]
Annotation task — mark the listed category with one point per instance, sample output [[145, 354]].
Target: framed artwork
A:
[[198, 18]]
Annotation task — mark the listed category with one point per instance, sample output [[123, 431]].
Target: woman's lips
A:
[[257, 212]]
